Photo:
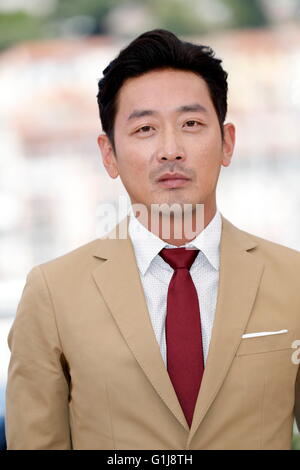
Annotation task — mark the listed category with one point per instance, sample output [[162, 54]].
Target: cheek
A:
[[205, 148], [207, 156], [132, 156], [133, 166], [133, 170]]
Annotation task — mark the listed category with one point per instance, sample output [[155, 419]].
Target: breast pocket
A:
[[264, 344], [267, 380]]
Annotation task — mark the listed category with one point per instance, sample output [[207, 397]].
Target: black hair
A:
[[160, 49]]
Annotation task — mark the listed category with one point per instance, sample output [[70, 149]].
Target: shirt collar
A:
[[147, 245]]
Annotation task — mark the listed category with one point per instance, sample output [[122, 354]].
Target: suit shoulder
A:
[[274, 250], [76, 260], [274, 254]]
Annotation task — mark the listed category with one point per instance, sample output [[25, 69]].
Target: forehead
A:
[[162, 90]]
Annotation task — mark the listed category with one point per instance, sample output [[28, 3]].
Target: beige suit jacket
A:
[[86, 371]]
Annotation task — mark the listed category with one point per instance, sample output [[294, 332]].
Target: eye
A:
[[192, 123], [144, 129]]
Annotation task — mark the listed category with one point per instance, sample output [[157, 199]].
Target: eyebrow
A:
[[192, 107], [187, 108]]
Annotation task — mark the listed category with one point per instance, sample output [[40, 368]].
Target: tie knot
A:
[[179, 257]]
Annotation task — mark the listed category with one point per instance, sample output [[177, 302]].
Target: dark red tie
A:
[[185, 362]]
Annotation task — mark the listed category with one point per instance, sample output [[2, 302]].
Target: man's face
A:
[[166, 124]]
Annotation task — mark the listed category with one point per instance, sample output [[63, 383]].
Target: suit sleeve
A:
[[297, 400], [37, 415]]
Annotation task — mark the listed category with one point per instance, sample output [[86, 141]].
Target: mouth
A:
[[173, 180]]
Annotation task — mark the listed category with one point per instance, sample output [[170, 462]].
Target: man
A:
[[159, 341]]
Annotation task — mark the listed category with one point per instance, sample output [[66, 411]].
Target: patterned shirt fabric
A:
[[156, 274]]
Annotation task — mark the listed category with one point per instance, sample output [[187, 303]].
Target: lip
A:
[[173, 180]]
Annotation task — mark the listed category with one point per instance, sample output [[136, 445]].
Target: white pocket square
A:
[[264, 333]]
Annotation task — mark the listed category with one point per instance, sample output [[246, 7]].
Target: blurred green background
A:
[[34, 19]]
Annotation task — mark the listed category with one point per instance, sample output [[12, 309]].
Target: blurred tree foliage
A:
[[19, 26], [296, 442], [97, 9], [176, 15], [183, 17], [247, 14]]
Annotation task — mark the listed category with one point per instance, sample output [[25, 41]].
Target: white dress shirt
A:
[[156, 274]]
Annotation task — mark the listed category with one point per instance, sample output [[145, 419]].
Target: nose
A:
[[170, 147]]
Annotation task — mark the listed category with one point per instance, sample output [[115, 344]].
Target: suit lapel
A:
[[119, 282], [240, 274]]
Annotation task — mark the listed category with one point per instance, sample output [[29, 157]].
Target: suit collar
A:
[[147, 245], [112, 244]]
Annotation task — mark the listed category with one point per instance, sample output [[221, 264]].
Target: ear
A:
[[228, 143], [108, 155]]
